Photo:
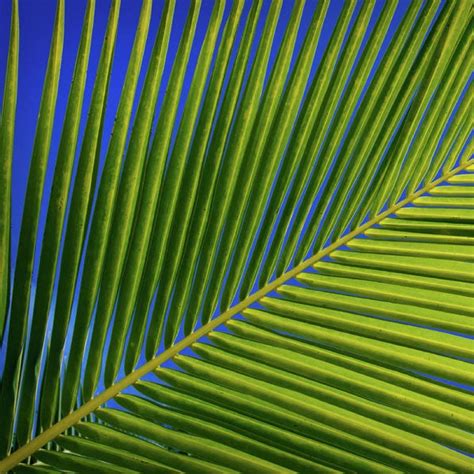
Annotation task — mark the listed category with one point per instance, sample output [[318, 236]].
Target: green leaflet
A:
[[128, 196], [84, 182], [336, 402], [461, 139], [304, 127], [310, 416], [356, 268], [72, 462], [189, 187], [275, 144], [81, 194], [432, 364], [108, 436], [7, 129], [256, 409], [345, 388], [178, 420], [297, 449], [334, 315], [118, 457], [453, 83], [208, 450], [385, 104], [456, 34], [428, 82], [29, 225]]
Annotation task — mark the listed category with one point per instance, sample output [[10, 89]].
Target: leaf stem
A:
[[84, 410]]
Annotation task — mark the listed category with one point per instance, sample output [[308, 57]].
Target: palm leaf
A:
[[324, 206]]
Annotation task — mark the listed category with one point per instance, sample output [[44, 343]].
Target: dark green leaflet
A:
[[313, 418], [27, 242], [334, 136], [429, 80], [291, 159], [307, 169], [7, 125], [210, 170], [138, 141], [199, 427], [305, 442], [372, 379], [452, 85], [457, 130], [108, 436], [342, 115], [442, 75], [116, 457], [344, 390]]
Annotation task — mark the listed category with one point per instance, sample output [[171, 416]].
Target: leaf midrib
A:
[[88, 407]]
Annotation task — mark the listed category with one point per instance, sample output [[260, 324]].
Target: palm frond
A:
[[332, 375], [325, 211]]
